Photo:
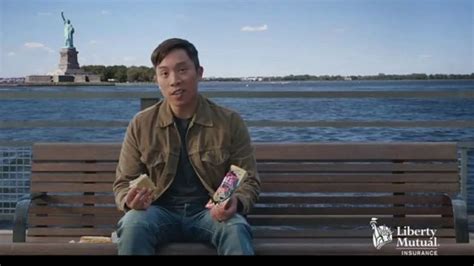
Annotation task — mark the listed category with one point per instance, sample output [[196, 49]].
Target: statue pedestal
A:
[[68, 63]]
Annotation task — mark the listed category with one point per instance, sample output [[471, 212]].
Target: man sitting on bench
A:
[[185, 144]]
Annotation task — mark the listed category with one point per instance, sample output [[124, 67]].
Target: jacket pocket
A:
[[154, 162], [215, 156]]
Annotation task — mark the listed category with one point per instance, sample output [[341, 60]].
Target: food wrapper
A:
[[143, 181], [229, 184]]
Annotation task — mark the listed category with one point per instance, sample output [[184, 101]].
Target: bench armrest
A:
[[21, 216], [460, 220]]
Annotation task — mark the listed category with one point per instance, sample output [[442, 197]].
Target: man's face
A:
[[178, 78]]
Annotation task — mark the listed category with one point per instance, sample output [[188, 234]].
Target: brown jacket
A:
[[216, 138]]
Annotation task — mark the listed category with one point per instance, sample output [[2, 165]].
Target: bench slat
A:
[[256, 220], [310, 210], [285, 167], [107, 177], [276, 187], [70, 231], [356, 199], [273, 246], [273, 240], [258, 232], [273, 177], [322, 233], [71, 187], [356, 151], [76, 199], [359, 187], [101, 211], [65, 167], [348, 222], [74, 167], [360, 178], [312, 198], [273, 151], [89, 151], [73, 221], [374, 211]]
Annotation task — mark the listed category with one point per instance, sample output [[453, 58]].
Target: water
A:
[[330, 109]]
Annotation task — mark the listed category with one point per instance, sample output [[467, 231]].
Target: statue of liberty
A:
[[68, 32]]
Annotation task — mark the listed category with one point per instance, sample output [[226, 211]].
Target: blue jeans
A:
[[142, 232]]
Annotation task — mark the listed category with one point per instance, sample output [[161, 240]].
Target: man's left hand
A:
[[223, 211]]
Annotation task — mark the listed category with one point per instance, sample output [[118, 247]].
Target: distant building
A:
[[252, 79], [12, 80]]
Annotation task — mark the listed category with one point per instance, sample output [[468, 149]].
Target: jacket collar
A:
[[202, 115]]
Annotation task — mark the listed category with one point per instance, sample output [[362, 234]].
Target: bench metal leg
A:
[[460, 220], [20, 220]]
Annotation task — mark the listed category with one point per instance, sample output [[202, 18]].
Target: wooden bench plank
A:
[[357, 151], [314, 198], [105, 177], [67, 187], [267, 198], [110, 167], [347, 221], [298, 167], [103, 211], [255, 219], [358, 187], [257, 231], [355, 210], [77, 199], [262, 247], [359, 177], [273, 177], [62, 151], [301, 151], [74, 167]]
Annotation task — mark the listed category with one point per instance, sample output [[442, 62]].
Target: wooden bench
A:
[[317, 198]]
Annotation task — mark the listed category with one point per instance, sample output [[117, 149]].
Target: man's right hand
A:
[[139, 198]]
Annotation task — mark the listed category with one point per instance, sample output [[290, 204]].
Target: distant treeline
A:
[[123, 73], [414, 76]]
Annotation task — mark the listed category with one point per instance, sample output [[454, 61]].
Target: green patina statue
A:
[[68, 32]]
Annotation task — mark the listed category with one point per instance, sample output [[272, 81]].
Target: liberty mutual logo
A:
[[382, 234], [410, 241]]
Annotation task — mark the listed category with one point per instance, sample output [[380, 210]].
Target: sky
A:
[[238, 38]]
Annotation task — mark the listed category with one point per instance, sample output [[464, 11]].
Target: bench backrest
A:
[[309, 190]]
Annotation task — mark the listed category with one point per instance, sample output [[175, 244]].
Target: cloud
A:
[[11, 54], [129, 58], [93, 42], [44, 13], [257, 28], [105, 12], [37, 45]]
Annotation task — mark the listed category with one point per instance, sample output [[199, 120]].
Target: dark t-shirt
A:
[[186, 186]]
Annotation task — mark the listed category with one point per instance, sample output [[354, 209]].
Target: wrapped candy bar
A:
[[229, 184]]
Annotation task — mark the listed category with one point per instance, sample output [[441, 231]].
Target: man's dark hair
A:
[[169, 45]]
